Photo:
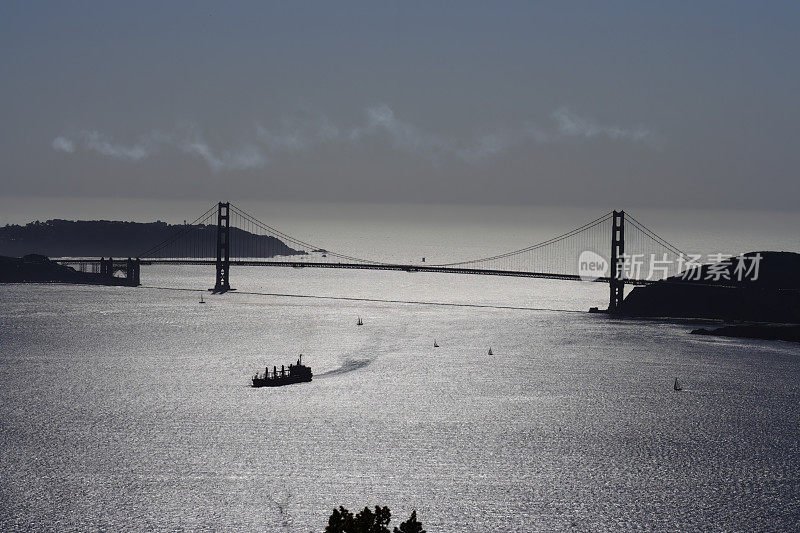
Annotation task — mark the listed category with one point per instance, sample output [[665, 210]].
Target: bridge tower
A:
[[617, 274], [133, 272], [223, 248], [107, 267]]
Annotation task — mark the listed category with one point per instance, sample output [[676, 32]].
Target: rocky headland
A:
[[773, 296]]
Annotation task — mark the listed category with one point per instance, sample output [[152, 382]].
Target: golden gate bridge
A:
[[226, 235]]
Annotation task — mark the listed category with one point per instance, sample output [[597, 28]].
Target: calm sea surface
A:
[[130, 408]]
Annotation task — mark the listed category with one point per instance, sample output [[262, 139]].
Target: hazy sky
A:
[[559, 103]]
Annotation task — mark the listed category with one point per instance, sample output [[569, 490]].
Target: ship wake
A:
[[348, 366]]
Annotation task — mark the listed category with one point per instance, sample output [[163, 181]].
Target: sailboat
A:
[[434, 344], [677, 385], [359, 322], [201, 299], [490, 351]]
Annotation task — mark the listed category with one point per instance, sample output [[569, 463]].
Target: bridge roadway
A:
[[359, 266]]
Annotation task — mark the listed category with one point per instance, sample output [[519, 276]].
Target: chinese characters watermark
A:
[[717, 267]]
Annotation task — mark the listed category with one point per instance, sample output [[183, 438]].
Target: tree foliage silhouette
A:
[[412, 525], [367, 521]]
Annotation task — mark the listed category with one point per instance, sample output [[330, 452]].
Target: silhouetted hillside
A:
[[103, 238], [776, 270], [774, 296]]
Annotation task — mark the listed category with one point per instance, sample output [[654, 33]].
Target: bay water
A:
[[129, 409]]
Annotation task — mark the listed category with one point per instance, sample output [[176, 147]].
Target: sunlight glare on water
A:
[[131, 408]]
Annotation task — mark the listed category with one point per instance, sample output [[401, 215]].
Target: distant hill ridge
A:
[[103, 238]]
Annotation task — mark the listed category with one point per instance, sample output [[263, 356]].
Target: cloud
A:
[[571, 125], [402, 135], [62, 144], [188, 142], [247, 157], [97, 142], [488, 145], [296, 135]]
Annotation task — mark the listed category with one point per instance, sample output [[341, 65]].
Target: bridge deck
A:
[[362, 266]]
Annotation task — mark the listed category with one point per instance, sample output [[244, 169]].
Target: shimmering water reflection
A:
[[130, 409]]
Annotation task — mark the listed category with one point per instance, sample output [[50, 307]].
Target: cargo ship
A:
[[296, 373]]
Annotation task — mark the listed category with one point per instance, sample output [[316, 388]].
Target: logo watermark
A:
[[592, 266], [717, 267]]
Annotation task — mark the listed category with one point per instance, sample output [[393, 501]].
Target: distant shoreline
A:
[[34, 268], [109, 238], [778, 332]]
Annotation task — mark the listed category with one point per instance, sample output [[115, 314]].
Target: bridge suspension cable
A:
[[554, 240], [197, 224], [303, 246], [255, 242], [654, 236]]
